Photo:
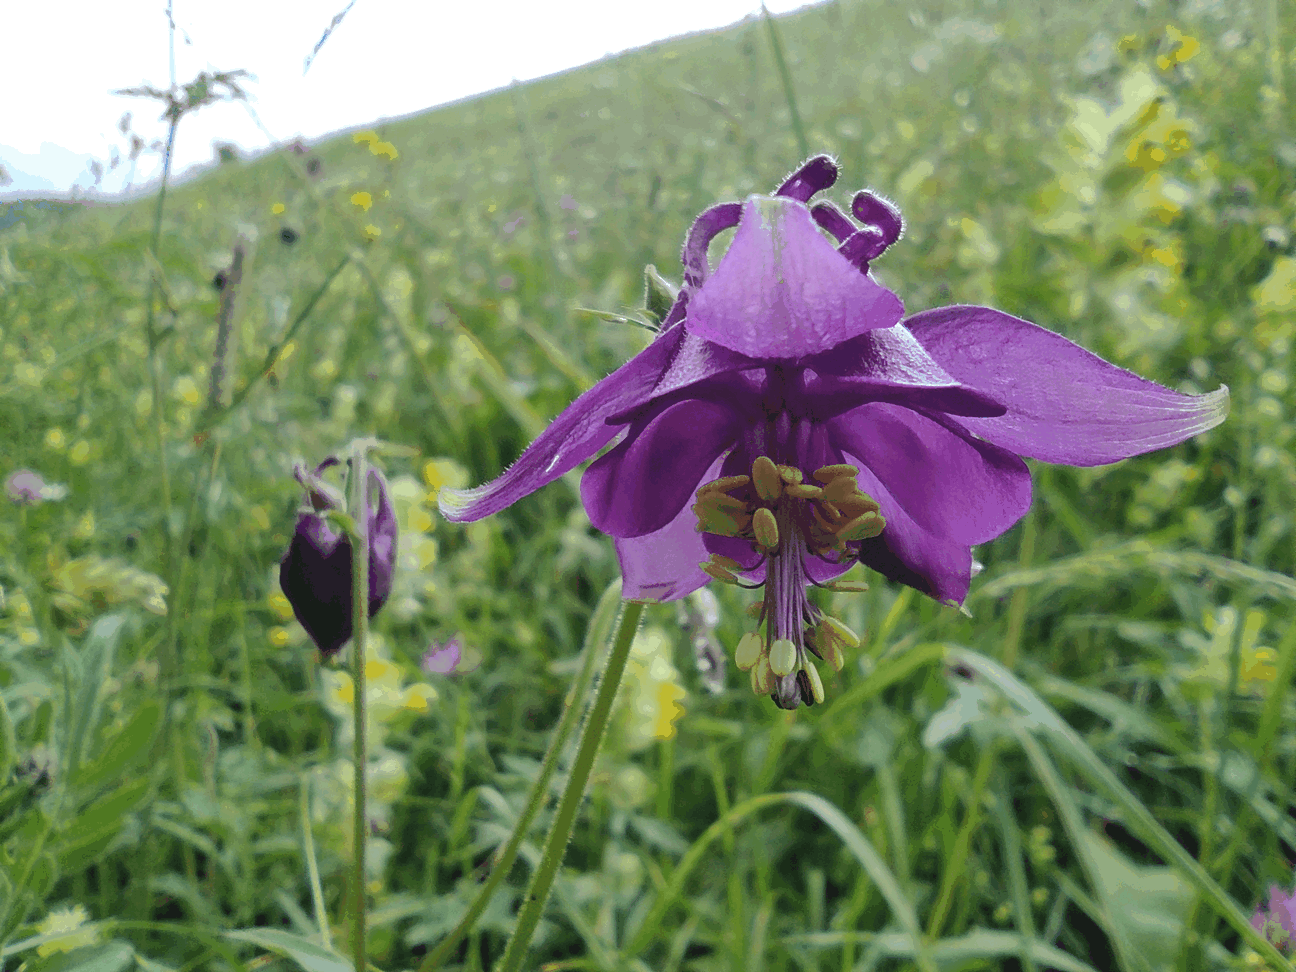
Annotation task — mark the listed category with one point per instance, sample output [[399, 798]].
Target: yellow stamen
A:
[[714, 570], [762, 677], [723, 485], [826, 474], [841, 489], [791, 475], [748, 652], [840, 632], [766, 529], [721, 522], [862, 527], [832, 654], [769, 486], [816, 683], [804, 491], [782, 657]]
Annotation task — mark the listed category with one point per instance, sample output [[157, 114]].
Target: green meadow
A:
[[1091, 769]]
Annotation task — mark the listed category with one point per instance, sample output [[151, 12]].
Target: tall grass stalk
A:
[[798, 129]]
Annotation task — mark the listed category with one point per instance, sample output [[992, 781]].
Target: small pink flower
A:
[[567, 202], [1278, 922], [25, 486], [442, 659]]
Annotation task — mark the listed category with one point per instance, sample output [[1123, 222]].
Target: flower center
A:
[[785, 519]]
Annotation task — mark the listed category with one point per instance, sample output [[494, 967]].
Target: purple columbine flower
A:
[[315, 573], [816, 428]]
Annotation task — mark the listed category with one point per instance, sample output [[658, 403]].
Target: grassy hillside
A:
[[1123, 174]]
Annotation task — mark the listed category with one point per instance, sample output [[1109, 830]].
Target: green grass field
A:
[[1112, 789]]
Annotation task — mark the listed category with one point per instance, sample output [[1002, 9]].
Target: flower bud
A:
[[315, 573]]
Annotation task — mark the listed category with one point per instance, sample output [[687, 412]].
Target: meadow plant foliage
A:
[[1089, 767]]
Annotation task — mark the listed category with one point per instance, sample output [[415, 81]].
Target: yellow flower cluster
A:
[[1257, 664], [651, 695], [417, 550], [16, 613], [69, 927], [91, 584], [1182, 49], [376, 145], [387, 697]]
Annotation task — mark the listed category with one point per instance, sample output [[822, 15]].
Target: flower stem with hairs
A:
[[565, 818], [360, 612]]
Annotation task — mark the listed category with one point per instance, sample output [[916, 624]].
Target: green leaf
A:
[[123, 749], [114, 956], [8, 744], [309, 955], [97, 825], [659, 294], [96, 666]]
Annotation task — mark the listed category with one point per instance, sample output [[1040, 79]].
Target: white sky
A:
[[60, 59]]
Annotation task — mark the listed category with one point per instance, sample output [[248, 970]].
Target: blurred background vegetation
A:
[[174, 757]]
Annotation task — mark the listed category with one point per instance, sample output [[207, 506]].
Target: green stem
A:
[[954, 869], [1017, 606], [168, 660], [595, 636], [565, 818], [797, 128], [360, 632], [312, 868]]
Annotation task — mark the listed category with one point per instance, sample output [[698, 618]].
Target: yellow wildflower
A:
[[362, 199], [1183, 48], [67, 924], [277, 208]]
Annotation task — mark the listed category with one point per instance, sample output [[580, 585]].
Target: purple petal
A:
[[382, 543], [814, 175], [701, 233], [952, 486], [1065, 404], [907, 554], [663, 566], [574, 436], [888, 364], [783, 291], [641, 485]]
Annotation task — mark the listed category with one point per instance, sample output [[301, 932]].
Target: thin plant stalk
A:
[[565, 818], [360, 632], [573, 705], [312, 868], [798, 129]]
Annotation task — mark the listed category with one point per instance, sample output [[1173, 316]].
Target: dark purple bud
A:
[[315, 573]]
